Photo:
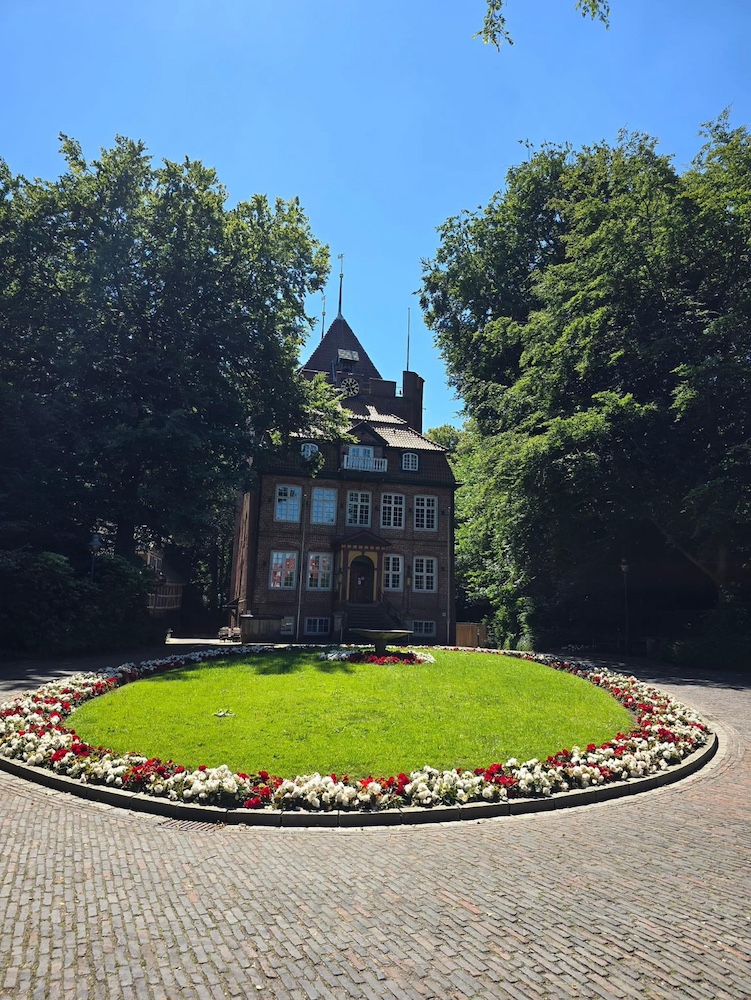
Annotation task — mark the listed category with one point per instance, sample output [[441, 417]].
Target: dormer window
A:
[[410, 461], [309, 449], [347, 359]]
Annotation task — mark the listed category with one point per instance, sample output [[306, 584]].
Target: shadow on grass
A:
[[262, 666], [334, 667]]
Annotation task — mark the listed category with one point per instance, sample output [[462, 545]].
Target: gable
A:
[[366, 434]]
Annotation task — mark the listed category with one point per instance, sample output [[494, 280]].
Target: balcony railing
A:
[[362, 464]]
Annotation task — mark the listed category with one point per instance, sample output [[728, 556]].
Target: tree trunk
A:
[[125, 538]]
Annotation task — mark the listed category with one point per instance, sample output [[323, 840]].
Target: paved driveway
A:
[[647, 896]]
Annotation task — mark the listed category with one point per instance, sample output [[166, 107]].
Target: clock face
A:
[[349, 386]]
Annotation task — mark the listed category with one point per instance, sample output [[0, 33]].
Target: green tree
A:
[[150, 334], [445, 435], [595, 319], [495, 31], [48, 607]]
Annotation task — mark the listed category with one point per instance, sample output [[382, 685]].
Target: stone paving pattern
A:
[[644, 897]]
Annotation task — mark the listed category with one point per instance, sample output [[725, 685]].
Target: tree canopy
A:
[[149, 340], [595, 319], [495, 28]]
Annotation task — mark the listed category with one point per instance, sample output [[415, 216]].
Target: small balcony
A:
[[361, 463]]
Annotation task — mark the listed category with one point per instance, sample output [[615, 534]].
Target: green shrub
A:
[[47, 608], [721, 639]]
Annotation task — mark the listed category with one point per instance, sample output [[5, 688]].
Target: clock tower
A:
[[345, 362]]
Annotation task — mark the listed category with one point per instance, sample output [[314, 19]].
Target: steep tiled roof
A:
[[405, 437], [367, 411], [393, 430], [340, 337]]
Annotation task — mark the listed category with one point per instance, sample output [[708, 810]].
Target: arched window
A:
[[309, 449], [410, 462]]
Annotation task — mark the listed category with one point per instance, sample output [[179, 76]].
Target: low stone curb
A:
[[140, 802]]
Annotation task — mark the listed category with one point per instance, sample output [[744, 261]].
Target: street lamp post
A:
[[624, 570], [94, 546]]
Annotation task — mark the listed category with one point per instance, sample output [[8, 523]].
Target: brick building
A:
[[366, 542]]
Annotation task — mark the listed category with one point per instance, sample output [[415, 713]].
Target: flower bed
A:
[[32, 730], [355, 655]]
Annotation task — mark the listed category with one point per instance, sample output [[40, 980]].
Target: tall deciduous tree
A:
[[596, 320], [149, 341]]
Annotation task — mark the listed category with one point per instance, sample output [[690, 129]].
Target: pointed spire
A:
[[341, 279], [341, 338]]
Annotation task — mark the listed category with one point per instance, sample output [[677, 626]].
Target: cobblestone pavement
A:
[[647, 896]]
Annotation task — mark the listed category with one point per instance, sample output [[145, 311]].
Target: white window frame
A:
[[410, 461], [287, 502], [288, 625], [316, 576], [426, 513], [358, 510], [365, 451], [425, 574], [392, 504], [323, 505], [287, 578], [393, 572], [424, 629], [315, 629], [308, 449]]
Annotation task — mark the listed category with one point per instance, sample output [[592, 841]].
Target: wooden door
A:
[[361, 576]]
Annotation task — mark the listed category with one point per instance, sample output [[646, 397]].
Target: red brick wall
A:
[[266, 535]]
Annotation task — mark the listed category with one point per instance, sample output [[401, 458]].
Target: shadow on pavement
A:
[[29, 673], [652, 670]]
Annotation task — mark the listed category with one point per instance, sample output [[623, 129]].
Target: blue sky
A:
[[383, 118]]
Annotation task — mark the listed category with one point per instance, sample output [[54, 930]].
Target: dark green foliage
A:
[[596, 319], [149, 340], [48, 608], [722, 638], [142, 325], [117, 617]]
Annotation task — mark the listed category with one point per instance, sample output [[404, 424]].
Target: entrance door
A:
[[361, 574]]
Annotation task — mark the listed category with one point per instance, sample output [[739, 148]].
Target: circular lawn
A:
[[290, 712]]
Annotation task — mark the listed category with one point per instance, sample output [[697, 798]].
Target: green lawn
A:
[[295, 714]]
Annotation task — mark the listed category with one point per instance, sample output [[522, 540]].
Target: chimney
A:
[[412, 387]]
